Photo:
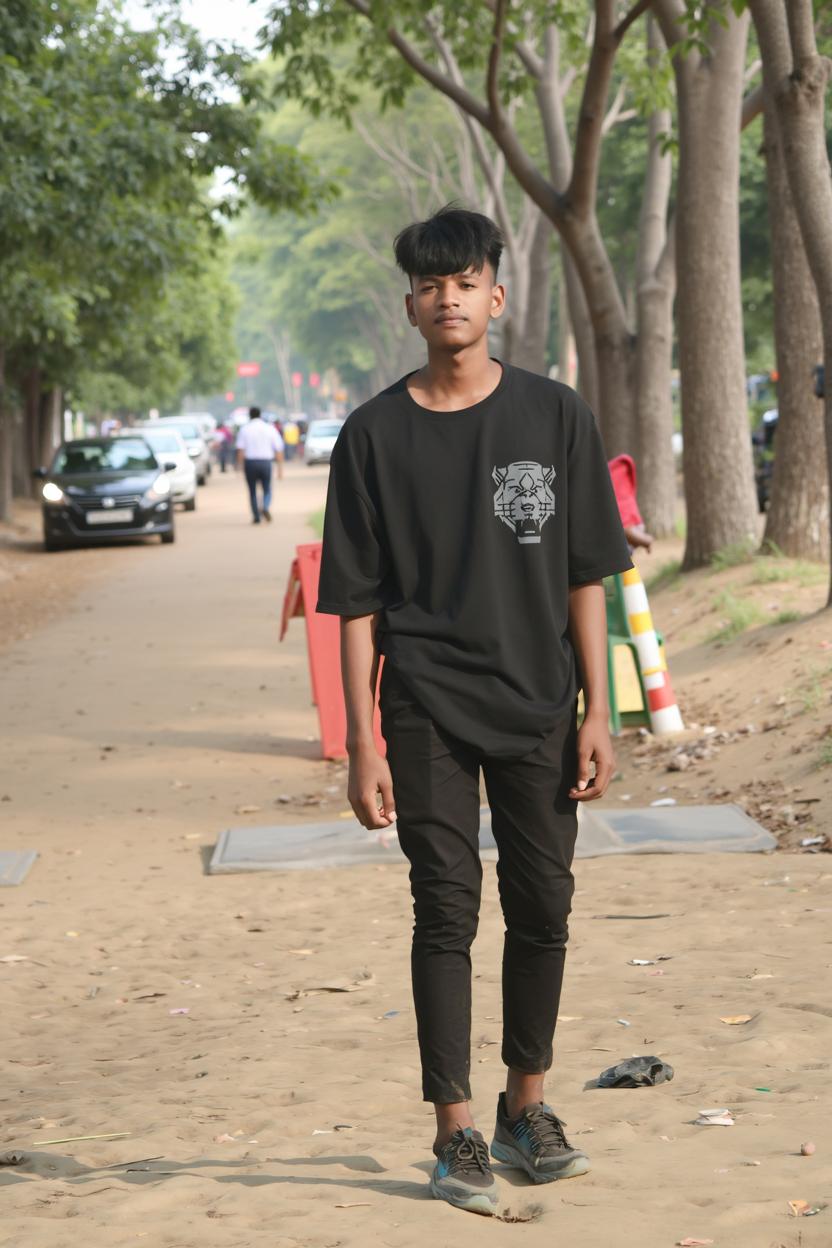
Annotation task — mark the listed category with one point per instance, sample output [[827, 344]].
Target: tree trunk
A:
[[31, 427], [567, 355], [655, 290], [798, 517], [719, 482], [796, 79], [51, 432], [587, 381], [532, 320], [6, 446]]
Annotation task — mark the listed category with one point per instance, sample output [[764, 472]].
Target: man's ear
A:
[[498, 301], [408, 303]]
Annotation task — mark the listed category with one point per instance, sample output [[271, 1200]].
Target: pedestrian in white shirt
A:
[[258, 445]]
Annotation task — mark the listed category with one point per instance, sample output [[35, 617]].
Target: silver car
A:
[[193, 438], [168, 446], [321, 437]]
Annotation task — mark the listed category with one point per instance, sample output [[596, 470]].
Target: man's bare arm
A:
[[369, 774], [588, 631]]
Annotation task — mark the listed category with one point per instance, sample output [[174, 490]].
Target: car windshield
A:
[[188, 431], [123, 455], [163, 440], [324, 430]]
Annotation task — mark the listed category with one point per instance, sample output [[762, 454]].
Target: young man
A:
[[470, 520], [258, 444]]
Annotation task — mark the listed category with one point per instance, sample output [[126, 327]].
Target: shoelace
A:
[[469, 1154], [545, 1129]]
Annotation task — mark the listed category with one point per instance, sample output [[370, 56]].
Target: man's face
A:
[[453, 311]]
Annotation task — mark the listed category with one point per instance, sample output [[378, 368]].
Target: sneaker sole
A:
[[513, 1157], [478, 1202]]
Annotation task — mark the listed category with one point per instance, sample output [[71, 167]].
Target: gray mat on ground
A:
[[654, 830], [15, 865]]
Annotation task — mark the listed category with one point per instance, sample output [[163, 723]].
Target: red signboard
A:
[[297, 379], [314, 380], [248, 368]]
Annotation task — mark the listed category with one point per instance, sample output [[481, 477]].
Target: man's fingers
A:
[[584, 770], [388, 803], [372, 816]]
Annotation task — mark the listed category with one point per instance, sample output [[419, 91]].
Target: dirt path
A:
[[161, 700]]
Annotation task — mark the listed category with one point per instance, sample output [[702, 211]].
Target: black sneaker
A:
[[535, 1142], [267, 515], [462, 1174]]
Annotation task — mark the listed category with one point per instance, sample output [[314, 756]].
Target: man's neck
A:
[[455, 379]]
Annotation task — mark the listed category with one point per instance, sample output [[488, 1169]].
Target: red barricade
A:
[[324, 645]]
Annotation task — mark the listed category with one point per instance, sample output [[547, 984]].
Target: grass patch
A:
[[787, 617], [824, 758], [802, 571], [732, 556], [664, 576], [316, 522], [680, 528], [738, 615], [811, 690]]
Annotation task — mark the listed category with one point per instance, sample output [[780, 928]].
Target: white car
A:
[[169, 447], [192, 435], [321, 437]]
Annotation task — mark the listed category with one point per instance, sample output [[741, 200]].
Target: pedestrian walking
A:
[[291, 436], [225, 445], [470, 520], [258, 446]]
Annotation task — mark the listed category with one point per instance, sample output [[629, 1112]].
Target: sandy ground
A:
[[148, 704]]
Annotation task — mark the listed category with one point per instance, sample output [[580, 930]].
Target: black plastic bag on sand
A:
[[636, 1072]]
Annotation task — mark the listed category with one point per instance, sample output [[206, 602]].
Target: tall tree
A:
[[719, 482], [798, 517], [796, 78], [298, 32]]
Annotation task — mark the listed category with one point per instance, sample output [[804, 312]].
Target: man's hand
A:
[[370, 776], [594, 746]]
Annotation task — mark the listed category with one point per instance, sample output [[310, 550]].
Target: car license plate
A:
[[118, 515]]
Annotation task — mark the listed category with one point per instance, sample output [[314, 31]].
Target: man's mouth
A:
[[450, 320]]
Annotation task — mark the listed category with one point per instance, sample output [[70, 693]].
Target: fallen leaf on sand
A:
[[733, 1020]]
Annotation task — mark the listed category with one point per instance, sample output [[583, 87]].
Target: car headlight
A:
[[194, 451], [52, 493], [160, 487]]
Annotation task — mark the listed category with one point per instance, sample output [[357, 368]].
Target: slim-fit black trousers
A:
[[436, 784]]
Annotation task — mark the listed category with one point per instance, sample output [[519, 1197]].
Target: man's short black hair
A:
[[453, 240], [253, 413]]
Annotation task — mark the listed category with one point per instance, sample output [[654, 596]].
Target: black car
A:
[[105, 488], [762, 442]]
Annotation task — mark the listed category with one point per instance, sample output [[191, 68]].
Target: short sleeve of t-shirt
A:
[[597, 545], [355, 565]]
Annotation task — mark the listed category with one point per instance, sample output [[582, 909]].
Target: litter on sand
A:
[[715, 1118], [734, 1020], [636, 1072], [802, 1209], [74, 1139], [622, 1022], [690, 1242], [353, 1204], [661, 957]]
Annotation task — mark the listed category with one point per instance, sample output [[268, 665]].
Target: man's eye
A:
[[468, 286]]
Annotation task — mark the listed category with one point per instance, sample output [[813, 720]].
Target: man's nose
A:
[[448, 297]]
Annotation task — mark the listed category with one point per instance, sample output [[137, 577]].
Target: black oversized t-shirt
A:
[[465, 530]]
